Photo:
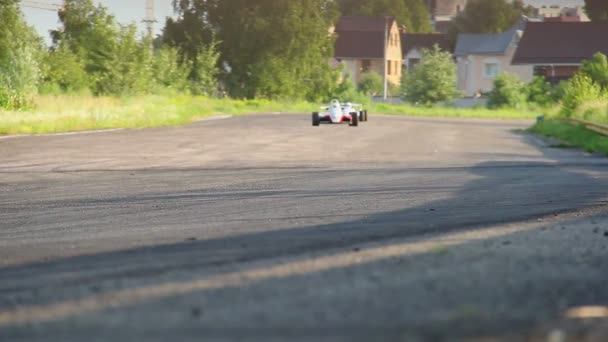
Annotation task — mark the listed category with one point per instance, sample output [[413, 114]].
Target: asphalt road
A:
[[264, 228]]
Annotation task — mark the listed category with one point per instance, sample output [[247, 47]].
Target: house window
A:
[[490, 69], [390, 64], [366, 65]]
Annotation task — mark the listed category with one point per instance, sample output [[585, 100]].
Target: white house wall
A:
[[473, 80]]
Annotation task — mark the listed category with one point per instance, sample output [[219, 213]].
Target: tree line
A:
[[240, 48]]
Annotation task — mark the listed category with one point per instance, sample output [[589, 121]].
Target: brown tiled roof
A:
[[361, 37], [411, 41], [561, 42]]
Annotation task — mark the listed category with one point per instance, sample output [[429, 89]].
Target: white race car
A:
[[339, 113]]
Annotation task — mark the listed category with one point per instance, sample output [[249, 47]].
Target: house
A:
[[413, 44], [556, 50], [365, 44], [552, 10], [481, 57]]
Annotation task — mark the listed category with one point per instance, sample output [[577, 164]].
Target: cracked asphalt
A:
[[264, 228]]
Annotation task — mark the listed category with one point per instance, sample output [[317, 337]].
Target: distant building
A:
[[446, 9], [443, 11], [363, 44], [413, 44], [481, 57], [556, 50], [558, 10]]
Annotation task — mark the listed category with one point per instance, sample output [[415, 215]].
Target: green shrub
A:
[[63, 72], [542, 93], [204, 71], [169, 72], [508, 92], [432, 80], [371, 84], [345, 91], [580, 89], [597, 69]]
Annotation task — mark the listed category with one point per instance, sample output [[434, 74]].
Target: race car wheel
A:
[[315, 119], [354, 119], [365, 115], [361, 117]]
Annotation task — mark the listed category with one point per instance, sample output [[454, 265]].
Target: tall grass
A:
[[477, 112], [69, 113], [52, 114], [573, 135]]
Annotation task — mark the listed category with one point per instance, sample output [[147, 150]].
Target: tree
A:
[[597, 69], [509, 92], [487, 16], [432, 80], [129, 66], [597, 10], [263, 54], [20, 53], [92, 34], [413, 14]]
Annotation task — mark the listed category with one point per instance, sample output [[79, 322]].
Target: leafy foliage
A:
[[169, 71], [579, 90], [19, 58], [487, 16], [508, 92], [204, 71], [128, 69], [262, 54], [63, 69], [597, 10], [542, 93], [597, 69], [370, 84], [413, 14], [432, 80]]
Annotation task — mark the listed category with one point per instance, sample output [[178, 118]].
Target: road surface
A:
[[264, 228]]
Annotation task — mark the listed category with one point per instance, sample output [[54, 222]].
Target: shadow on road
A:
[[503, 289]]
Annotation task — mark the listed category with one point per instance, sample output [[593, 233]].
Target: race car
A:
[[339, 113]]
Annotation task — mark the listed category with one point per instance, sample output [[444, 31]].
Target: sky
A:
[[125, 11]]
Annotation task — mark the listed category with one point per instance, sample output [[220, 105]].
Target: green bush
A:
[[169, 72], [63, 72], [204, 71], [579, 90], [597, 69], [542, 93], [371, 84], [432, 80], [508, 92]]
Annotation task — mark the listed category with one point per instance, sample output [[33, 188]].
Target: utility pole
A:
[[385, 59], [150, 18]]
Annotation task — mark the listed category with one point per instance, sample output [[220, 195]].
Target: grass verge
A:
[[54, 114], [452, 112], [572, 135], [67, 113]]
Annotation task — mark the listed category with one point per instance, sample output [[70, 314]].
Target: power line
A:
[[41, 5]]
